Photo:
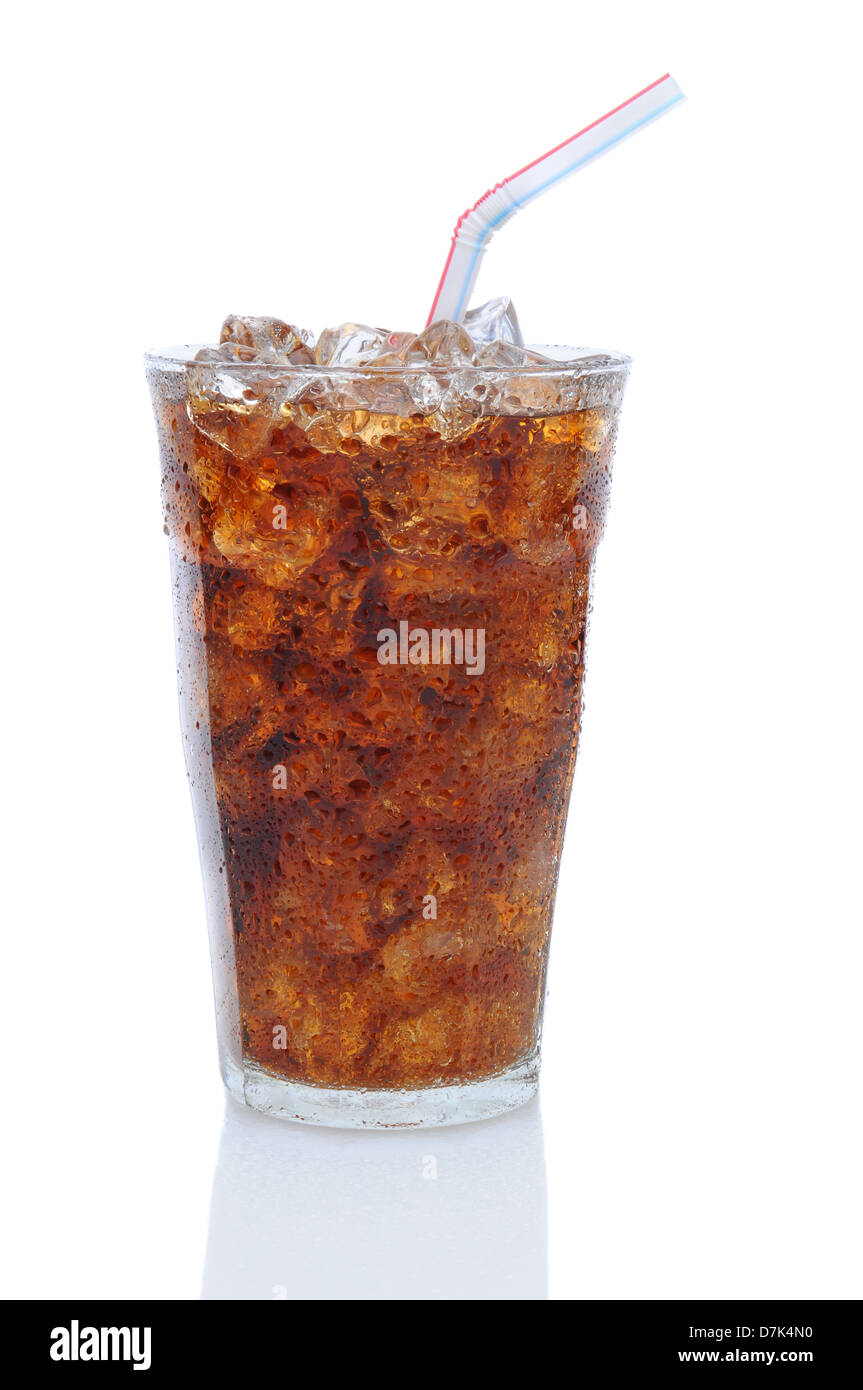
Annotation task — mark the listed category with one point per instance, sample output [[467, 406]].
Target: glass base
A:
[[360, 1109]]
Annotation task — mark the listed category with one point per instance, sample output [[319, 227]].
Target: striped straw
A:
[[475, 228]]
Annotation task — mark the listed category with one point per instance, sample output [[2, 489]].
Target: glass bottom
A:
[[361, 1109]]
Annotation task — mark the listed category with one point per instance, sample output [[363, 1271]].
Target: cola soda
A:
[[381, 549]]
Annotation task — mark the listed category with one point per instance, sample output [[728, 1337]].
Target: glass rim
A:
[[579, 361]]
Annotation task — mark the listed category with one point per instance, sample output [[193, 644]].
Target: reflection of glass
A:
[[302, 1213]]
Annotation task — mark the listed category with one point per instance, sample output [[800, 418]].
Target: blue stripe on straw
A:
[[522, 202]]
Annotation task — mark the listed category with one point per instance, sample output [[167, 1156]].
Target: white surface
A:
[[700, 1099]]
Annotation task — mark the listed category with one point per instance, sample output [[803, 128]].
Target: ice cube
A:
[[501, 355], [427, 392], [443, 343], [266, 340], [353, 345], [236, 410], [494, 322]]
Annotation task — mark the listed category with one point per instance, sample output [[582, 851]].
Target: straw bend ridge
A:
[[475, 228]]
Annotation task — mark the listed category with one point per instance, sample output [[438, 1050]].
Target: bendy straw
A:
[[475, 228]]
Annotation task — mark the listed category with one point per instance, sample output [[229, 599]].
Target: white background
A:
[[170, 162]]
